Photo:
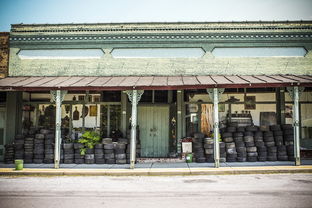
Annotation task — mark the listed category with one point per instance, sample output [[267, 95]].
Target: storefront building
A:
[[159, 83]]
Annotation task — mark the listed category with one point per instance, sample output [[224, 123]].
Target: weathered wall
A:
[[151, 35], [4, 54], [207, 65]]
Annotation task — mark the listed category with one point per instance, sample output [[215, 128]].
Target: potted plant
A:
[[89, 139]]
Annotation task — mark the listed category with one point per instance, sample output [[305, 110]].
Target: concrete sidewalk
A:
[[157, 169]]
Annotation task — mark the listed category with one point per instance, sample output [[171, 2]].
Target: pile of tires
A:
[[288, 135], [79, 158], [19, 147], [29, 149], [38, 148], [49, 148], [198, 148], [9, 153], [99, 154], [230, 146], [69, 153]]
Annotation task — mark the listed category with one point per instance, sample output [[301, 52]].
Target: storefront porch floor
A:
[[160, 165]]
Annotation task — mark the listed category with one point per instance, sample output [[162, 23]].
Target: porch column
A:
[[57, 96], [134, 97], [295, 93], [180, 118], [215, 96]]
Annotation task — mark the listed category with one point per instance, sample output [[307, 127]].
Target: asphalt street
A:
[[276, 190]]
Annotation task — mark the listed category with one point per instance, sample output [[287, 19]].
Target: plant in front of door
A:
[[89, 139]]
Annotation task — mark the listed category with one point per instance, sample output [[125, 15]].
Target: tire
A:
[[240, 144], [227, 134], [121, 161], [275, 128], [109, 151], [238, 139], [252, 159], [78, 145], [89, 156], [209, 151], [248, 133], [120, 151], [120, 146], [199, 135], [38, 161], [107, 141], [123, 141], [78, 156], [98, 151], [98, 146], [99, 160], [268, 134], [68, 146], [252, 128], [238, 134], [271, 158], [208, 146], [248, 139], [39, 136], [287, 126], [120, 156], [201, 160], [240, 129], [241, 159], [251, 149], [272, 149], [228, 139], [110, 161], [109, 156], [241, 149], [249, 144], [108, 146], [278, 133], [231, 151], [282, 157], [89, 161], [264, 128], [258, 134], [259, 144], [252, 154], [268, 139], [231, 129], [262, 159], [79, 161]]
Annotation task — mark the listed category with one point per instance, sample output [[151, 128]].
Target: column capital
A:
[[292, 89], [138, 95], [210, 92], [53, 95]]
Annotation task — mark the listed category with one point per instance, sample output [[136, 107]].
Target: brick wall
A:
[[4, 54]]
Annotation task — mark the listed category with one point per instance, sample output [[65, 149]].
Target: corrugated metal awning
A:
[[152, 82]]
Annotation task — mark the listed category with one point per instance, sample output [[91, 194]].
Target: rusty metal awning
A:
[[152, 82]]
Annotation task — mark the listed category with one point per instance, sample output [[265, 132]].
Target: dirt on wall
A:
[[4, 54]]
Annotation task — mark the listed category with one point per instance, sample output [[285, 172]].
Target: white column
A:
[[57, 96], [296, 126], [58, 123], [133, 129], [216, 127], [134, 97]]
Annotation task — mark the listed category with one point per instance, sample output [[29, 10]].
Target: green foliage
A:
[[89, 139]]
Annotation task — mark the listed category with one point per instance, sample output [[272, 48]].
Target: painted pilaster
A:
[[295, 93], [215, 96], [58, 97], [134, 97]]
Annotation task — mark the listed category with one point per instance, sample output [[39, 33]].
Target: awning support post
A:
[[295, 93], [215, 96], [58, 97], [134, 97]]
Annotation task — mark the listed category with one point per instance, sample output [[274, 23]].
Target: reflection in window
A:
[[158, 52], [260, 52], [61, 54]]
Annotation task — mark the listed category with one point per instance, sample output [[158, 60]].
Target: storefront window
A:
[[111, 121], [191, 119]]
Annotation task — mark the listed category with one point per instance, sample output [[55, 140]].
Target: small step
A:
[[160, 160]]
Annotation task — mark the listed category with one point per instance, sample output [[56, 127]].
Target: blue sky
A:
[[94, 11]]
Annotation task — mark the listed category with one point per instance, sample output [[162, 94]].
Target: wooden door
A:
[[154, 130]]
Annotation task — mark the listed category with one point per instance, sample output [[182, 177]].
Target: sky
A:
[[106, 11]]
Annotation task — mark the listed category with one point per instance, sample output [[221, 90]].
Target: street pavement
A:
[[272, 190]]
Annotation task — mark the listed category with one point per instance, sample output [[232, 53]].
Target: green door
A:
[[154, 130]]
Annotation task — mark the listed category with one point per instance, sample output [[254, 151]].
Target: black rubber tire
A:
[[120, 151], [227, 134], [110, 161], [252, 154], [79, 161], [98, 151], [271, 158], [228, 139], [262, 159], [252, 159], [248, 133], [259, 144], [199, 135], [123, 141], [272, 149], [240, 144], [107, 141], [39, 136], [109, 151], [209, 151], [251, 149], [240, 129], [249, 144], [99, 160], [241, 159], [248, 139], [287, 126], [238, 139], [238, 134], [108, 146], [121, 161], [109, 156], [275, 128], [68, 146]]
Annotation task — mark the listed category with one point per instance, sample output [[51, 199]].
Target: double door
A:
[[154, 130]]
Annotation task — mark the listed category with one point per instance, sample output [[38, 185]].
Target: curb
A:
[[157, 172]]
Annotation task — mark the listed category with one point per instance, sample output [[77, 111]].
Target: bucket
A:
[[189, 158], [19, 164]]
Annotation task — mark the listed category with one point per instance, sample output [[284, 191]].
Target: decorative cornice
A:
[[74, 38]]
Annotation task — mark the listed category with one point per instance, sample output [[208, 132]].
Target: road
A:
[[284, 190]]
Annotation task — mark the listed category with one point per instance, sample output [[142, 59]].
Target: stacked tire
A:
[[109, 154], [138, 151], [99, 154], [230, 147], [251, 148], [238, 138], [68, 153], [288, 135], [49, 148], [268, 138], [120, 151], [209, 149], [89, 156], [9, 154], [198, 148], [19, 147], [79, 159], [39, 148], [261, 148], [29, 149]]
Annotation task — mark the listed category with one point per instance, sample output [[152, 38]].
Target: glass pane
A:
[[104, 121], [115, 121], [147, 96], [191, 119], [111, 96], [161, 96], [1, 137], [158, 53], [61, 54], [260, 52]]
